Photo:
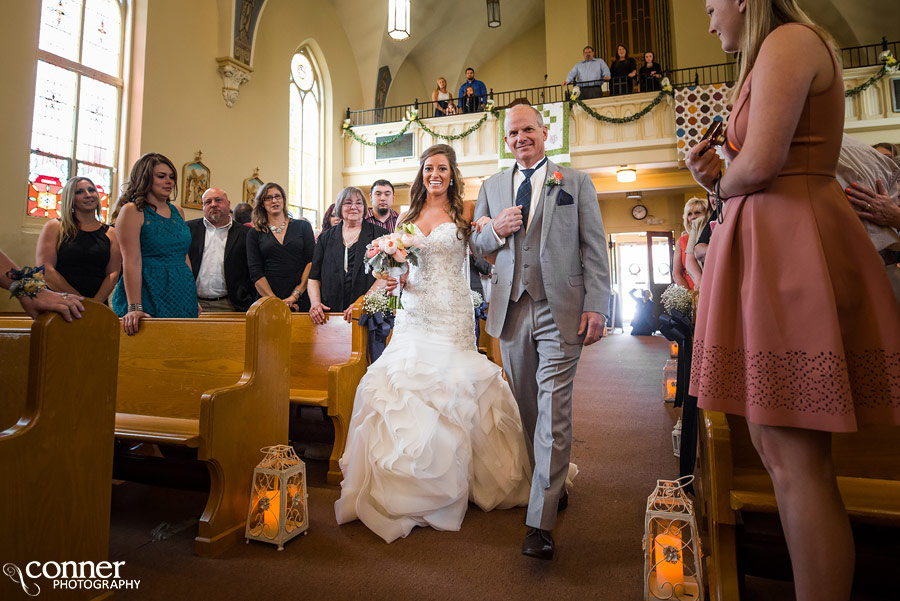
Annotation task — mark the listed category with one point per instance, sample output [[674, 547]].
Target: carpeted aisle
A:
[[623, 444]]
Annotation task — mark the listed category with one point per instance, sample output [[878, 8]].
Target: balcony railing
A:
[[852, 57]]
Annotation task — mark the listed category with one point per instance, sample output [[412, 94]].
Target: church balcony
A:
[[649, 143]]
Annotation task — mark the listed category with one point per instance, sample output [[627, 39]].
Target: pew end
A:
[[56, 456]]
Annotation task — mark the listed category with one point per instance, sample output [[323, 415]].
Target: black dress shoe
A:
[[563, 501], [538, 543]]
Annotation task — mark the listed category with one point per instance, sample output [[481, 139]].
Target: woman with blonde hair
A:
[[79, 252], [780, 337], [157, 280], [279, 249], [434, 424], [696, 214], [440, 98]]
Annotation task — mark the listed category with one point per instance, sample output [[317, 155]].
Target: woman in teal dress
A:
[[157, 280]]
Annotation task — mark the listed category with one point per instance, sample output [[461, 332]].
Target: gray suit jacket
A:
[[574, 259]]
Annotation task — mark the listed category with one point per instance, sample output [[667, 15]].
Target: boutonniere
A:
[[554, 179]]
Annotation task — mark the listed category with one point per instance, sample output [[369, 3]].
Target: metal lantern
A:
[[670, 380], [676, 438], [493, 13], [278, 499], [398, 19], [671, 544]]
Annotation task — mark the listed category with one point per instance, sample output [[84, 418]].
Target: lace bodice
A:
[[436, 299]]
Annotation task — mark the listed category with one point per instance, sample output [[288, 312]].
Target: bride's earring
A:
[[451, 182]]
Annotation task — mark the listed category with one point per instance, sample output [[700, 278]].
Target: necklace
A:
[[279, 229]]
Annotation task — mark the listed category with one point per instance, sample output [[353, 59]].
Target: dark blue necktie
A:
[[523, 196]]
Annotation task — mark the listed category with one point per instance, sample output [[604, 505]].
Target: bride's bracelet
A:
[[28, 281]]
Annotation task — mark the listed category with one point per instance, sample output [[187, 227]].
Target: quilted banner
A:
[[556, 118], [696, 108]]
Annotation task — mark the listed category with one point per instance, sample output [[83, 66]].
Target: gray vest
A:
[[527, 268]]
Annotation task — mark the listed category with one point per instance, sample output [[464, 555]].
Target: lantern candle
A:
[[673, 348], [667, 557]]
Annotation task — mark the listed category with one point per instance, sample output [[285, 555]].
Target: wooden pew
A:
[[56, 454], [734, 480], [327, 363], [219, 386]]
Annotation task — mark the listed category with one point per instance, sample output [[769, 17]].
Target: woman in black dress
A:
[[338, 278], [623, 71], [650, 74], [279, 249], [470, 102], [80, 253]]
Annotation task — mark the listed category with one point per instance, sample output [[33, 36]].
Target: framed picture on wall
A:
[[895, 93], [195, 181], [251, 185]]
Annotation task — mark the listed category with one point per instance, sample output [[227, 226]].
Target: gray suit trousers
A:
[[540, 366]]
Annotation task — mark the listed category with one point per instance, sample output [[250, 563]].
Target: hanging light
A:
[[398, 19], [493, 8], [626, 174]]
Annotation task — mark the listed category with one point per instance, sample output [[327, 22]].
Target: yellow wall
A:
[[693, 45], [407, 85], [183, 106], [566, 34], [18, 39], [521, 64], [616, 211]]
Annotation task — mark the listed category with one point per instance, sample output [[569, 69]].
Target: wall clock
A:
[[639, 211]]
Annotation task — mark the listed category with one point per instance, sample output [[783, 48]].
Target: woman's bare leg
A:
[[812, 513]]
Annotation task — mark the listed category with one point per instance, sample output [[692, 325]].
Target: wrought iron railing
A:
[[853, 57], [867, 56]]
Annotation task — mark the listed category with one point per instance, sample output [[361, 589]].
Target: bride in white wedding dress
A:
[[434, 424]]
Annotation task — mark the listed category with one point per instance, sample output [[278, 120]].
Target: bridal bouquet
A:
[[390, 255]]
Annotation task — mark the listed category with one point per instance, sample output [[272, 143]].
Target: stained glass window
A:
[[305, 146], [77, 100]]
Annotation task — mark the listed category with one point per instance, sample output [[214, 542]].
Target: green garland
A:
[[889, 64], [630, 118], [390, 140], [460, 135], [347, 128]]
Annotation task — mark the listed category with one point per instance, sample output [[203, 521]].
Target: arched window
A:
[[305, 187], [77, 100]]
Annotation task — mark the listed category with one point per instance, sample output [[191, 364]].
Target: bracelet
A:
[[27, 281], [719, 200], [297, 291], [134, 307]]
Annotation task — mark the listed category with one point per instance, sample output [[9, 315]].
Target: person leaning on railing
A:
[[624, 72], [590, 75], [650, 74]]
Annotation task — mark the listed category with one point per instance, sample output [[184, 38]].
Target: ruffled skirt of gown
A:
[[434, 426]]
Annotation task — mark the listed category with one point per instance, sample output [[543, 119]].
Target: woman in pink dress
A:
[[797, 328]]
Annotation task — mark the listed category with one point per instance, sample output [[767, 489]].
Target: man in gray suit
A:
[[549, 294]]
